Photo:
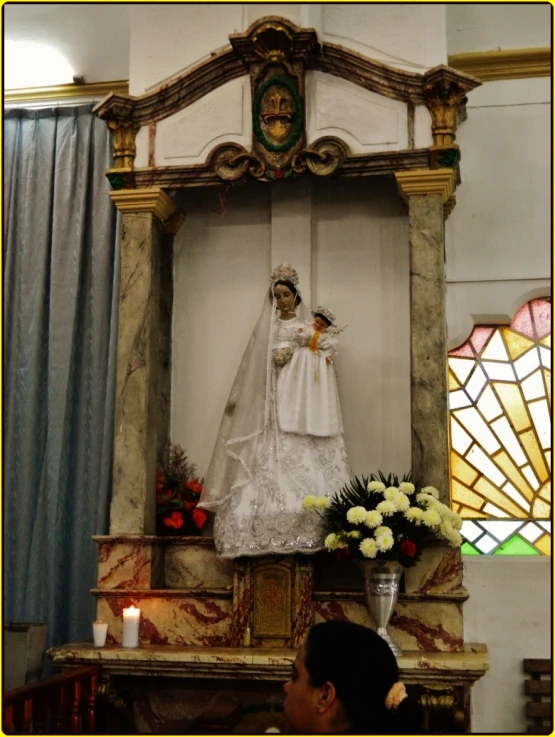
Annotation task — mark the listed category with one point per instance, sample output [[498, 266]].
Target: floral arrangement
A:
[[178, 492], [380, 517]]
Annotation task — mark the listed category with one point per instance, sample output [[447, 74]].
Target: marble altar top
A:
[[256, 663]]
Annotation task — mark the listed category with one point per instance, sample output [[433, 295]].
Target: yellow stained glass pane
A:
[[465, 496], [530, 443], [542, 421], [548, 458], [533, 387], [547, 379], [488, 404], [506, 463], [453, 383], [544, 544], [461, 367], [462, 471], [509, 440], [517, 344], [495, 349], [460, 439], [546, 341], [541, 509], [474, 424], [497, 497], [511, 399], [472, 514], [545, 492]]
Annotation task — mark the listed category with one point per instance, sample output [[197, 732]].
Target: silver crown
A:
[[328, 314], [284, 272]]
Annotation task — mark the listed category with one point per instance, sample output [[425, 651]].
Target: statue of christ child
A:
[[308, 383]]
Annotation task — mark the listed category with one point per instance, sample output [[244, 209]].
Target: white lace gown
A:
[[265, 516], [307, 388]]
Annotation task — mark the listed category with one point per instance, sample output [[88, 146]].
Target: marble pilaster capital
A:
[[151, 200], [426, 182]]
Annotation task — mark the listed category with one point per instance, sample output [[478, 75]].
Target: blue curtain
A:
[[61, 270]]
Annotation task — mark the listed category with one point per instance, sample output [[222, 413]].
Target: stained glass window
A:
[[500, 415]]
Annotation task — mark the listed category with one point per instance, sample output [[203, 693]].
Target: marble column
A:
[[426, 193], [142, 350]]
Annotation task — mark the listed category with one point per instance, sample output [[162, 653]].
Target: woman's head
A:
[[286, 295], [340, 681]]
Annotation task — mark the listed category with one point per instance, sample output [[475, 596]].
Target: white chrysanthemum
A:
[[406, 487], [431, 518], [356, 534], [414, 514], [322, 502], [455, 520], [368, 548], [432, 491], [356, 515], [386, 508], [373, 519], [426, 499], [390, 493], [384, 542], [331, 541], [375, 486], [401, 501], [309, 502], [383, 530]]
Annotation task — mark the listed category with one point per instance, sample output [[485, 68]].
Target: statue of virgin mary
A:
[[259, 474]]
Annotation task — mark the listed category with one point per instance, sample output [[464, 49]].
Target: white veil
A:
[[247, 414]]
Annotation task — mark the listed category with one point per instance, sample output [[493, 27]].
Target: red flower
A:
[[187, 506], [278, 174], [342, 553], [174, 520], [199, 518], [408, 548], [159, 480], [194, 485]]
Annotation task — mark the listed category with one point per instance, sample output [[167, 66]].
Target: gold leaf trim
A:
[[492, 65], [153, 200], [426, 182], [67, 91]]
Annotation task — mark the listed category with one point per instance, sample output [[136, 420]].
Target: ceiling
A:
[[93, 38]]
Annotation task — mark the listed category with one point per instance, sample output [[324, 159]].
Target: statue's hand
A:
[[230, 409]]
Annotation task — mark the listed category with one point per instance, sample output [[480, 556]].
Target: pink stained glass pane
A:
[[522, 322], [480, 337], [541, 310], [465, 351]]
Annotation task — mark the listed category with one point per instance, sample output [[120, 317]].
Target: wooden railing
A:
[[63, 704], [539, 689]]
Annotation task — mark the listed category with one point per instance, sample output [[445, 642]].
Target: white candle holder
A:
[[131, 618], [100, 630]]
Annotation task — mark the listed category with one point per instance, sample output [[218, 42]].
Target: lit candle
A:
[[131, 618], [100, 630]]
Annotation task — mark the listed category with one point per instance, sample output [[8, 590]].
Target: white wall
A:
[[510, 609], [498, 237], [486, 26]]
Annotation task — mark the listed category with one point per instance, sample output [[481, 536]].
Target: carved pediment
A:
[[276, 55]]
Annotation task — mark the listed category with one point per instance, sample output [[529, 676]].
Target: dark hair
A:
[[362, 668], [290, 286], [323, 317]]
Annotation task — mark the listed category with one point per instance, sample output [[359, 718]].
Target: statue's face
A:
[[285, 298], [320, 324]]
